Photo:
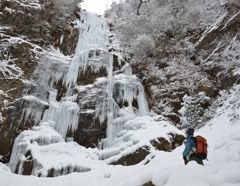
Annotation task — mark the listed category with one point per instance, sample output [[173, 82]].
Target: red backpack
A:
[[201, 147]]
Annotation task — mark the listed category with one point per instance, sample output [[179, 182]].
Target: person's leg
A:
[[194, 158]]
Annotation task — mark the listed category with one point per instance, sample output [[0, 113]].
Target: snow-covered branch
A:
[[9, 70], [1, 118], [140, 5]]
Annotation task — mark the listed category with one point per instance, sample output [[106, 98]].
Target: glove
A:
[[185, 160]]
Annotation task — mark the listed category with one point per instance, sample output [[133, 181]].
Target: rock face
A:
[[224, 39], [39, 22], [207, 63], [27, 28], [90, 131]]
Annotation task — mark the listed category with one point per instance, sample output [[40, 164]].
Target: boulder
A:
[[148, 184], [162, 144], [133, 158]]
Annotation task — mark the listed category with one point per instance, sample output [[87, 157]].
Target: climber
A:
[[189, 153]]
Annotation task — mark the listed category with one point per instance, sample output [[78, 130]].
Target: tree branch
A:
[[8, 70], [140, 5]]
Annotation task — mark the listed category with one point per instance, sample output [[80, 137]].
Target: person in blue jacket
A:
[[190, 148]]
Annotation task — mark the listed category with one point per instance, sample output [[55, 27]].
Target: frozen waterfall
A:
[[52, 100], [94, 32]]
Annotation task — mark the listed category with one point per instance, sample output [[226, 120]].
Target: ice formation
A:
[[44, 148], [93, 32], [41, 135], [33, 108], [59, 116], [64, 115]]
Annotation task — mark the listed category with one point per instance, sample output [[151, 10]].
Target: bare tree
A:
[[140, 5]]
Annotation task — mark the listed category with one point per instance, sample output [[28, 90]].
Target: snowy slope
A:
[[166, 168]]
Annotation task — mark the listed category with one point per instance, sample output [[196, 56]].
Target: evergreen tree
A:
[[194, 112]]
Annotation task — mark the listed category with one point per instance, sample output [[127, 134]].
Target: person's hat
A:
[[190, 131]]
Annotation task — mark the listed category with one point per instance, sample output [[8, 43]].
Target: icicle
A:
[[142, 102], [127, 70], [110, 76], [18, 150], [52, 95], [107, 109], [33, 108], [78, 60], [51, 69], [65, 116], [93, 32], [129, 88], [92, 59], [110, 110]]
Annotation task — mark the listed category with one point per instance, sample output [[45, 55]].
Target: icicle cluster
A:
[[64, 115], [93, 32], [127, 87], [42, 135], [60, 114]]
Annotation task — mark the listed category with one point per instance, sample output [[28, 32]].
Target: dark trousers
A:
[[193, 157]]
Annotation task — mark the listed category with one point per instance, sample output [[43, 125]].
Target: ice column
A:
[[142, 102], [64, 115], [110, 110], [93, 32], [78, 62]]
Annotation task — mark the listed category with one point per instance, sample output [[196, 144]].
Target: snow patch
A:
[[9, 10]]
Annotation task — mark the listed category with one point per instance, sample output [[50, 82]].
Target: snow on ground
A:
[[166, 168]]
